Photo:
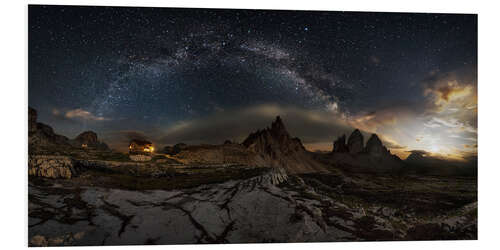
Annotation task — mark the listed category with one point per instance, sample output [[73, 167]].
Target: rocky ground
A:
[[265, 206], [267, 189]]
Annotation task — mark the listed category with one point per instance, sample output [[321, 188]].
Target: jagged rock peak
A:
[[278, 128], [339, 145], [273, 139], [278, 149], [374, 140], [276, 134], [355, 143], [374, 146]]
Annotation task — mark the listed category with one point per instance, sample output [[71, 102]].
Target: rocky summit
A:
[[355, 156], [355, 142], [374, 147], [281, 150], [274, 141]]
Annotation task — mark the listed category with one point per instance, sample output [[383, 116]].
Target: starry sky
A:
[[174, 75]]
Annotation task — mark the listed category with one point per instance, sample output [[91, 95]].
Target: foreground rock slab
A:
[[272, 207]]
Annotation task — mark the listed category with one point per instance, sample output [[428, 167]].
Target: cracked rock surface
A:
[[271, 207]]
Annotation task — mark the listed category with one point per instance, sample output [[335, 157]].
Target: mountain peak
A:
[[375, 147], [355, 143], [278, 128], [279, 149]]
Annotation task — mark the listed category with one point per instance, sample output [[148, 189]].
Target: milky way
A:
[[151, 68]]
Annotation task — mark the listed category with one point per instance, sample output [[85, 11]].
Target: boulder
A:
[[355, 142]]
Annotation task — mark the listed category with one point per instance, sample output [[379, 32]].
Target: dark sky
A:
[[204, 75]]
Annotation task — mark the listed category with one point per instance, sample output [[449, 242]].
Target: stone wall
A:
[[51, 166]]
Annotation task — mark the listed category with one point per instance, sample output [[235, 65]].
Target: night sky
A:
[[203, 75]]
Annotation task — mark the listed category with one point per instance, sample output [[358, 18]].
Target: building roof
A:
[[141, 142]]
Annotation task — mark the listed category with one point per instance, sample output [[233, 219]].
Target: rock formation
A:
[[375, 157], [374, 147], [87, 137], [42, 135], [274, 141], [355, 142], [281, 150], [339, 145], [51, 166], [90, 140]]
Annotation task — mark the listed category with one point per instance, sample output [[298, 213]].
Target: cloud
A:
[[83, 115], [452, 90]]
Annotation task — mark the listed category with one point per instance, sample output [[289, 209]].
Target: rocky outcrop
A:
[[274, 141], [279, 149], [355, 142], [90, 140], [87, 137], [339, 145], [354, 156], [51, 166], [42, 135], [374, 147]]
